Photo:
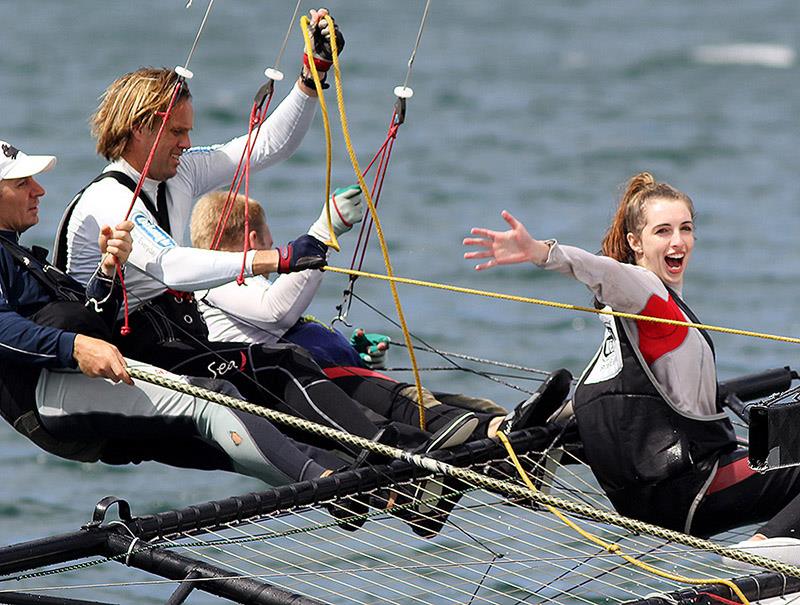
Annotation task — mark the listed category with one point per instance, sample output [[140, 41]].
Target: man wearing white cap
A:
[[48, 334], [37, 302]]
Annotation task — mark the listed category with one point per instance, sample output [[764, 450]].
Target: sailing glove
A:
[[321, 40], [372, 348], [305, 252], [347, 209]]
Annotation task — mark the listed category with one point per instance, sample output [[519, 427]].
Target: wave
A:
[[765, 55]]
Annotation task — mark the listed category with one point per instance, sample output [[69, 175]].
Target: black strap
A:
[[161, 214], [58, 283], [60, 245], [693, 318]]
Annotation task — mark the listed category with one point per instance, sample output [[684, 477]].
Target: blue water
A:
[[543, 108]]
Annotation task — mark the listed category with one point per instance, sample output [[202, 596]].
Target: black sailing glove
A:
[[321, 40], [306, 252]]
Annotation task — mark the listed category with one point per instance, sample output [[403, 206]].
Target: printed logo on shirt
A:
[[153, 232], [608, 361], [203, 149]]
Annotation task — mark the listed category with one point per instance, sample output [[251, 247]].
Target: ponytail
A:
[[630, 215]]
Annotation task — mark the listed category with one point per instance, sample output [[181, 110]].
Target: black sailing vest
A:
[[18, 382], [170, 316], [651, 459]]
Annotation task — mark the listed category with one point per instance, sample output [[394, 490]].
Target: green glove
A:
[[372, 348], [346, 211]]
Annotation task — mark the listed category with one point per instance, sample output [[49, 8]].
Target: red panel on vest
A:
[[656, 339], [340, 371]]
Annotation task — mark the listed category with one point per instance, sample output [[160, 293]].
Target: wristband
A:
[[320, 63], [308, 80]]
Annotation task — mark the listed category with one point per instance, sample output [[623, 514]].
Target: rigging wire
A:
[[398, 117], [431, 348], [416, 43]]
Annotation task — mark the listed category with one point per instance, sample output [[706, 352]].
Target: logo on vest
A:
[[608, 361]]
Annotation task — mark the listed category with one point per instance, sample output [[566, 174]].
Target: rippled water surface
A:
[[540, 107]]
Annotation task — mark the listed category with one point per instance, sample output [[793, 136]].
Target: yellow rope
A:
[[374, 213], [558, 305], [304, 23], [615, 548]]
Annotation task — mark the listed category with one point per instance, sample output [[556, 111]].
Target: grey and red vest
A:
[[653, 460]]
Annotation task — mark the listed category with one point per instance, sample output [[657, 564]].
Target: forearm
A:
[[288, 298], [190, 269], [624, 287], [22, 340], [284, 129]]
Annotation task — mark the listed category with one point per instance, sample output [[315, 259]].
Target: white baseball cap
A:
[[16, 165]]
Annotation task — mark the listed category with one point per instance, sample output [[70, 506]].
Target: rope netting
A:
[[494, 549]]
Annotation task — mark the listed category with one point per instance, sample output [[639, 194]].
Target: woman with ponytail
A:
[[646, 406]]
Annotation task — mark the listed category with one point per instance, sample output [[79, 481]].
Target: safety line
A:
[[559, 305], [615, 548], [374, 214]]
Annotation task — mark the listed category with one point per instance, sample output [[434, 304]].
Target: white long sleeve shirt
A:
[[680, 358], [202, 169], [258, 311]]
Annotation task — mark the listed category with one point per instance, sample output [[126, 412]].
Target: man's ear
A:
[[253, 240]]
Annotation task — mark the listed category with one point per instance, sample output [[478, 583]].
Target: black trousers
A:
[[283, 377], [383, 399], [740, 496]]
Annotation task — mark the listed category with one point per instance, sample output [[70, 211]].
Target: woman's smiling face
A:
[[666, 241]]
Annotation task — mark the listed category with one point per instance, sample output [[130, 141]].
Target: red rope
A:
[[242, 175], [125, 330], [385, 153], [720, 599], [376, 196]]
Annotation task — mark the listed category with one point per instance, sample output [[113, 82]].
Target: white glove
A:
[[346, 211]]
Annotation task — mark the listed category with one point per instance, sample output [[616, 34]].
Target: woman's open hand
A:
[[506, 247]]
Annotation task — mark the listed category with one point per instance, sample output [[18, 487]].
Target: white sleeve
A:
[[204, 169], [272, 307], [623, 286], [154, 252], [187, 269]]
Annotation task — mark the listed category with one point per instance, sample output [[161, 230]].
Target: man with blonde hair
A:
[[166, 328]]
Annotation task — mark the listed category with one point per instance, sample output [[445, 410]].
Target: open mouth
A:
[[675, 262]]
